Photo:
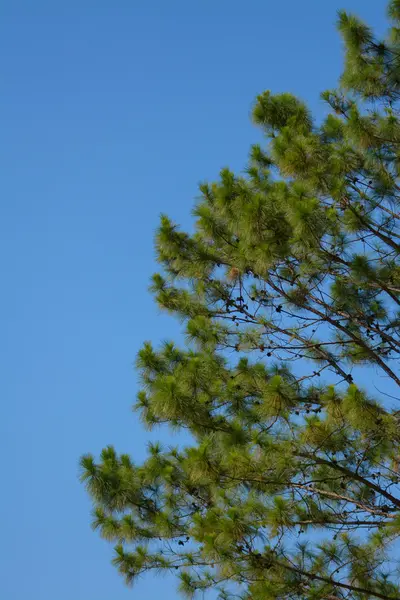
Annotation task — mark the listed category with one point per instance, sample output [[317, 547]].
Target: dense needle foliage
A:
[[289, 292]]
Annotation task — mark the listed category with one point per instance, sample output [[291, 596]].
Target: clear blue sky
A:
[[111, 112]]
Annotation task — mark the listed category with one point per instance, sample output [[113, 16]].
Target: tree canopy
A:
[[289, 294]]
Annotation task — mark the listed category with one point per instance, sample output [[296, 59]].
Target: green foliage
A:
[[289, 294]]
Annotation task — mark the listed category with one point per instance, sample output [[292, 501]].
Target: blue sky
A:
[[112, 112]]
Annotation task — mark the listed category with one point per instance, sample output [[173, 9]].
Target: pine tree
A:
[[289, 291]]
